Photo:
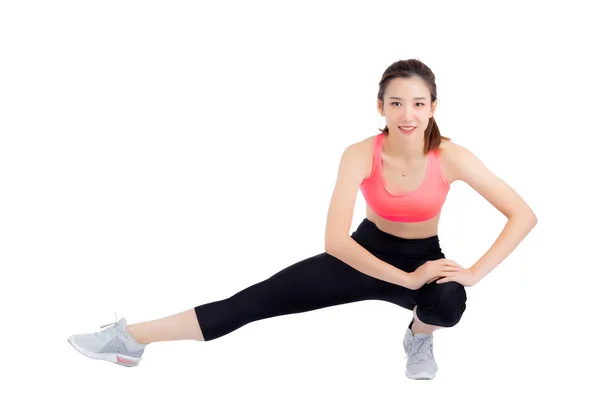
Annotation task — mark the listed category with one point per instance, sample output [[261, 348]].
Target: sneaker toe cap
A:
[[421, 370], [87, 342]]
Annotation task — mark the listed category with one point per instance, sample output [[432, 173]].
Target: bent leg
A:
[[441, 304], [316, 282]]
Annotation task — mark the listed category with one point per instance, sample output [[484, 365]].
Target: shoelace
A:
[[112, 323], [422, 346], [109, 334]]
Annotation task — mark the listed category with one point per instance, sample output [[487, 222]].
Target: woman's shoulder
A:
[[446, 146], [451, 154], [365, 148], [362, 148], [450, 150], [361, 152]]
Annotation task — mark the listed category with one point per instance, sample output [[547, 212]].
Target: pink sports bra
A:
[[418, 205]]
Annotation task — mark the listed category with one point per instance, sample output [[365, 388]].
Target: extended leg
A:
[[181, 326], [316, 282]]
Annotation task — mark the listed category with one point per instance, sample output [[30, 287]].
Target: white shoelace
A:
[[109, 334], [420, 350], [112, 323]]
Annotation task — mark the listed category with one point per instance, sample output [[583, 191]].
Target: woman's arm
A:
[[521, 218], [349, 251], [354, 166]]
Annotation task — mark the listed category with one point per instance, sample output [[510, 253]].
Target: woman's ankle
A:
[[134, 332]]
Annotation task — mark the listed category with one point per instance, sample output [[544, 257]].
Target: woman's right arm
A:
[[338, 242]]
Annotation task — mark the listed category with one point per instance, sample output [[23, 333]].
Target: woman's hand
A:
[[432, 270], [464, 276]]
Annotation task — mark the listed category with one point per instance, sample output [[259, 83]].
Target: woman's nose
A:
[[407, 114]]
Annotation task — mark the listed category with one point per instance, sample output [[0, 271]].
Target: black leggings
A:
[[324, 281]]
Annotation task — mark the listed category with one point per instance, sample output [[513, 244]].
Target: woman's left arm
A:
[[521, 218]]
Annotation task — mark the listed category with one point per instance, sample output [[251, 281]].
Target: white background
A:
[[155, 156]]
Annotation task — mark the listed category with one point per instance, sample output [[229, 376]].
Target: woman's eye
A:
[[396, 102]]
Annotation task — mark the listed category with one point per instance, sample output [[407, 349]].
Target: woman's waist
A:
[[405, 230], [369, 235]]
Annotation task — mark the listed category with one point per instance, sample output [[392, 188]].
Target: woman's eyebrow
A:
[[415, 98]]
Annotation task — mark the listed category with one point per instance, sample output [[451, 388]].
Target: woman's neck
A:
[[408, 149]]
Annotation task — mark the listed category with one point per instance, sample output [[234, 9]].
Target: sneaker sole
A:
[[420, 377], [119, 359]]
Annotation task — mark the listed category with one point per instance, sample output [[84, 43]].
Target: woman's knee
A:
[[442, 304]]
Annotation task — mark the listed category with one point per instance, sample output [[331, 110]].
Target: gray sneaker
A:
[[419, 351], [114, 344]]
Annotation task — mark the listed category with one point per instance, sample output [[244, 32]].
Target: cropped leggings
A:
[[324, 281]]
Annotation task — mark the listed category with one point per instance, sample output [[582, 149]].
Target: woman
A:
[[404, 174]]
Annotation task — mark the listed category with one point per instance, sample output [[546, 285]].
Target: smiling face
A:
[[407, 103]]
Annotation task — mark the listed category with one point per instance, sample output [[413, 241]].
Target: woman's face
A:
[[407, 103]]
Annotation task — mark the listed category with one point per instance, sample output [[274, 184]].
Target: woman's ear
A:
[[433, 107]]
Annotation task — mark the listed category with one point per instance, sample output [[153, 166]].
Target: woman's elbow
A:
[[333, 245]]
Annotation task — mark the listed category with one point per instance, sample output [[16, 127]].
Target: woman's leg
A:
[[418, 326], [181, 326], [434, 305], [316, 282], [440, 305]]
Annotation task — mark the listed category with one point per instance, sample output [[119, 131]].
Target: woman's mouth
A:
[[407, 129]]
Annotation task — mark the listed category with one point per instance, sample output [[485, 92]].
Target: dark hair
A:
[[408, 69]]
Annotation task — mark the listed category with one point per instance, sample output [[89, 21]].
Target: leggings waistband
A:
[[370, 236]]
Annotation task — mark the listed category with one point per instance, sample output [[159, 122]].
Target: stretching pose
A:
[[394, 255]]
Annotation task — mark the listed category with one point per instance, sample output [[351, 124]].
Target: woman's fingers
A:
[[446, 262], [446, 268], [448, 271], [443, 270]]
